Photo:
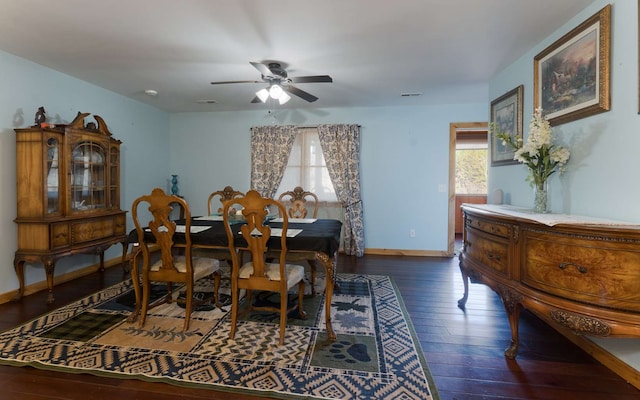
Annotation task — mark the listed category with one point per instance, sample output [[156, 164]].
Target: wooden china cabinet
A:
[[68, 194]]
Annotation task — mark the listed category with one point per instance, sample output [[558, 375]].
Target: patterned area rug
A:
[[376, 356]]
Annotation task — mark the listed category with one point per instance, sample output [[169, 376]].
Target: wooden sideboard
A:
[[577, 273]]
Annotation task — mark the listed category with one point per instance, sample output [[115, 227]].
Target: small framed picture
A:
[[571, 77], [506, 117]]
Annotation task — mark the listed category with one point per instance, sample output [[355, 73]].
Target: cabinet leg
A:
[[18, 265], [49, 267], [101, 261]]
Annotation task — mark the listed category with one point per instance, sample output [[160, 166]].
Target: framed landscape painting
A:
[[571, 77], [506, 117]]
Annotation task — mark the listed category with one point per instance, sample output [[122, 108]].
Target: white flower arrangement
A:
[[539, 154]]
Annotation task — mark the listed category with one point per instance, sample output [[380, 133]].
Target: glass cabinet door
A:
[[114, 178], [88, 176], [53, 176]]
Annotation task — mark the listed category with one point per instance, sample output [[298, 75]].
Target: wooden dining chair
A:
[[228, 193], [257, 274], [161, 232], [300, 203]]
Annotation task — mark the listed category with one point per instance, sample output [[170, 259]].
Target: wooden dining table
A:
[[321, 236]]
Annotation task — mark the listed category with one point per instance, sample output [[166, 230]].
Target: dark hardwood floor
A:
[[464, 349]]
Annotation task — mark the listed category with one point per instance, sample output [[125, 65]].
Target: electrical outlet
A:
[[442, 188], [412, 233]]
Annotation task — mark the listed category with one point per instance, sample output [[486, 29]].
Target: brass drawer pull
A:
[[580, 268], [492, 256]]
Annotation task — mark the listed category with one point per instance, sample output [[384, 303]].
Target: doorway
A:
[[469, 132]]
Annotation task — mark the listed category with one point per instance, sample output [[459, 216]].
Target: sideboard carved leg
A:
[[465, 280], [512, 302], [511, 351]]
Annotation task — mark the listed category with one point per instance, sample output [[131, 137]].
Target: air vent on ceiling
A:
[[411, 94], [206, 102]]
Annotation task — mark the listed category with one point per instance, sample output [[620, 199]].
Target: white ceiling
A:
[[374, 50]]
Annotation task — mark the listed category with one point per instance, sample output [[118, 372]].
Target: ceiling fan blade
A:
[[263, 69], [300, 93], [311, 79], [225, 82]]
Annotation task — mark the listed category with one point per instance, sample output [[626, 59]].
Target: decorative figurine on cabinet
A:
[[40, 117]]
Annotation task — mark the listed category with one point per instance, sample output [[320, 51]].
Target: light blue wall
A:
[[602, 175], [404, 157], [142, 129], [404, 153], [601, 178]]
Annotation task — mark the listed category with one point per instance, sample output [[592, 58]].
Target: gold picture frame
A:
[[506, 117], [571, 77]]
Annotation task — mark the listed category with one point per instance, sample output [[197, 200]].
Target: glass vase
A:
[[174, 185], [541, 198]]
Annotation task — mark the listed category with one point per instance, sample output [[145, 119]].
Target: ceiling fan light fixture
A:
[[284, 97], [273, 75], [275, 91], [263, 95]]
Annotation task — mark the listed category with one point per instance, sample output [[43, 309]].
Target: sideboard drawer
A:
[[604, 273], [487, 251], [491, 227]]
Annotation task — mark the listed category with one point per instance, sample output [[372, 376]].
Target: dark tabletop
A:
[[323, 235]]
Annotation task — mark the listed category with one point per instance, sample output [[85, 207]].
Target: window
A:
[[307, 167], [471, 163]]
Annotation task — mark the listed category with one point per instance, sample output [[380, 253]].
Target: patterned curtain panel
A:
[[341, 149], [270, 148]]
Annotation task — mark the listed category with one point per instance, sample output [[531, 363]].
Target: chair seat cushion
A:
[[202, 266], [295, 273]]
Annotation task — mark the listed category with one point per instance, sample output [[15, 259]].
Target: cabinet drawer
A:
[[487, 251], [60, 236], [491, 227], [120, 225], [90, 230], [599, 272]]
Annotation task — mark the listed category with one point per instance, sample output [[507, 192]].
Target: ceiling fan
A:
[[279, 84]]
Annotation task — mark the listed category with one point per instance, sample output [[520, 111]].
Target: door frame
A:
[[454, 127]]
